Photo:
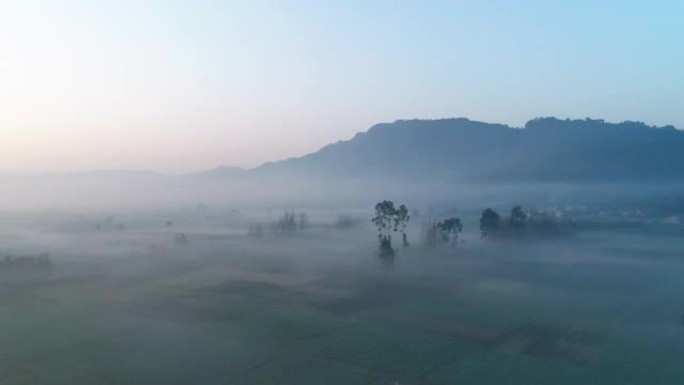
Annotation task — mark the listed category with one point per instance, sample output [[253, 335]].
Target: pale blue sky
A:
[[179, 86]]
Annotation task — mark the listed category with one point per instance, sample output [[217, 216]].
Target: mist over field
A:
[[201, 295], [361, 192]]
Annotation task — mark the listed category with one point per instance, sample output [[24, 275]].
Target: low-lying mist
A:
[[173, 282], [111, 191]]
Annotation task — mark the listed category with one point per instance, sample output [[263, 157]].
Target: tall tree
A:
[[401, 219], [489, 223], [518, 221], [384, 221], [449, 229]]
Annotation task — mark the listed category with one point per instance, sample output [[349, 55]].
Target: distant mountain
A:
[[545, 150], [221, 172], [463, 150], [423, 156]]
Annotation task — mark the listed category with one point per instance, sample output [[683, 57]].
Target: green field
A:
[[318, 308]]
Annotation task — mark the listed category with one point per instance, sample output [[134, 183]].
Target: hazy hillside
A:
[[547, 149], [414, 159]]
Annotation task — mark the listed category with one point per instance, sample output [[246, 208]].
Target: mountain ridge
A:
[[545, 149], [458, 149]]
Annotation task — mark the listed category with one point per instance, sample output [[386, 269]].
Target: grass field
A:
[[132, 307]]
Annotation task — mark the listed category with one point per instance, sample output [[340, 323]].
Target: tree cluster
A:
[[522, 225], [390, 219], [441, 233], [288, 224]]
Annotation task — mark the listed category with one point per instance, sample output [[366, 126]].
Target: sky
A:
[[183, 86]]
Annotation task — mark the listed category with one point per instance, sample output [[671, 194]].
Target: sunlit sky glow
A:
[[181, 86]]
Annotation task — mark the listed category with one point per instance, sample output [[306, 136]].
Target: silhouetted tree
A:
[[489, 223], [287, 224], [384, 221], [517, 221], [449, 230], [518, 217], [401, 218]]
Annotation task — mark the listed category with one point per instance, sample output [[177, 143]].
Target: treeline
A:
[[30, 263], [292, 222], [445, 232], [288, 224], [519, 225]]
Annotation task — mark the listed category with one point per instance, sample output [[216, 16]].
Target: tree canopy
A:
[[489, 223]]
